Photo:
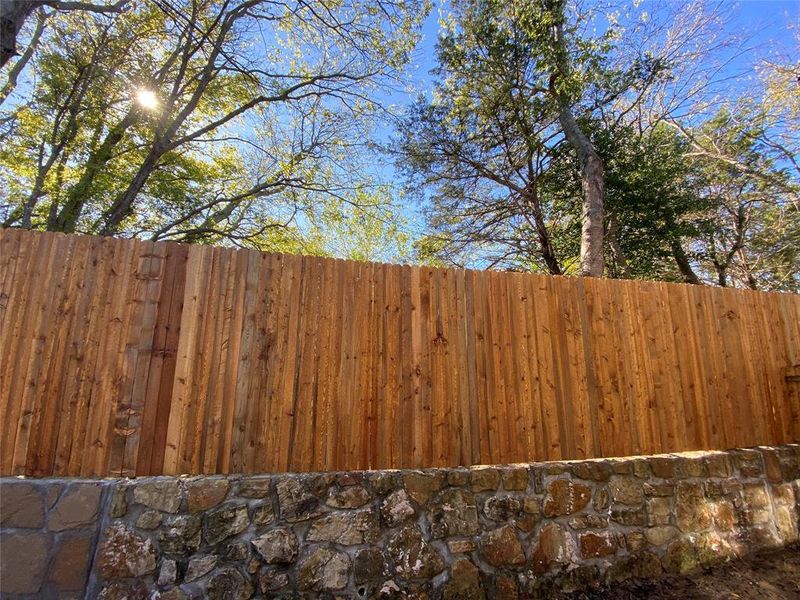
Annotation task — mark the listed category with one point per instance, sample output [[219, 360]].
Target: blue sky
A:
[[767, 28]]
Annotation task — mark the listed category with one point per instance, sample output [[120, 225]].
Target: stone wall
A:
[[505, 532]]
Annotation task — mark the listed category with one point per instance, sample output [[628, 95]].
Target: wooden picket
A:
[[128, 357]]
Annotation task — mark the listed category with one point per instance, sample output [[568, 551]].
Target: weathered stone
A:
[[515, 479], [772, 465], [199, 566], [181, 535], [565, 497], [23, 559], [641, 468], [633, 516], [458, 477], [501, 547], [554, 546], [651, 488], [296, 502], [369, 564], [601, 499], [254, 486], [350, 478], [749, 462], [635, 541], [421, 485], [203, 494], [123, 553], [658, 536], [453, 513], [592, 470], [659, 511], [225, 521], [318, 483], [461, 546], [229, 584], [168, 573], [532, 505], [353, 496], [724, 515], [681, 556], [506, 588], [662, 466], [70, 565], [119, 501], [589, 521], [277, 546], [526, 523], [174, 593], [594, 545], [149, 519], [786, 524], [484, 479], [347, 529], [323, 569], [162, 494], [384, 482], [465, 582], [413, 556], [783, 495], [626, 490], [691, 467], [396, 508], [136, 590], [272, 581], [23, 505], [77, 507], [718, 465], [691, 508], [502, 508], [236, 551]]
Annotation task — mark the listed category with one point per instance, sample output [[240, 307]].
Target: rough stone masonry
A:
[[483, 532]]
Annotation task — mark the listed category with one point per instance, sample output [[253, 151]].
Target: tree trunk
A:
[[592, 172], [123, 205], [682, 260]]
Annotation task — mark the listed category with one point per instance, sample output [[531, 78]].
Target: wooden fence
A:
[[131, 357]]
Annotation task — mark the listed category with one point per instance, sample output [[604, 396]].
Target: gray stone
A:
[[347, 529], [353, 496], [202, 494], [296, 502], [272, 581], [501, 547], [323, 569], [180, 535], [225, 521], [263, 514], [199, 566], [277, 546], [502, 508], [123, 553], [396, 508], [168, 574], [454, 513], [77, 507], [162, 494], [23, 505], [149, 519], [229, 584], [413, 556], [119, 501], [254, 486], [23, 560]]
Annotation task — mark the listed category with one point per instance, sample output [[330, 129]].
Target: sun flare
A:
[[147, 99]]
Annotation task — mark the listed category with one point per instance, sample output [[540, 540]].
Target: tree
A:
[[257, 113]]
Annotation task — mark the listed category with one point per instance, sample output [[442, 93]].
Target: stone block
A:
[[595, 545], [501, 548], [202, 494], [23, 561], [515, 479], [77, 507], [161, 494], [565, 497], [22, 505], [485, 479]]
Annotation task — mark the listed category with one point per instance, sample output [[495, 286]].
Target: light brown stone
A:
[[23, 561], [554, 546], [515, 479], [724, 516], [162, 494], [323, 570], [658, 536], [692, 510], [203, 494], [464, 583], [70, 563], [413, 556], [77, 507], [626, 490], [347, 529], [352, 496], [484, 479], [422, 485], [22, 505], [659, 511], [593, 470], [461, 546]]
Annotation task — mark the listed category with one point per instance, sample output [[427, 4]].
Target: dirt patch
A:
[[764, 576]]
